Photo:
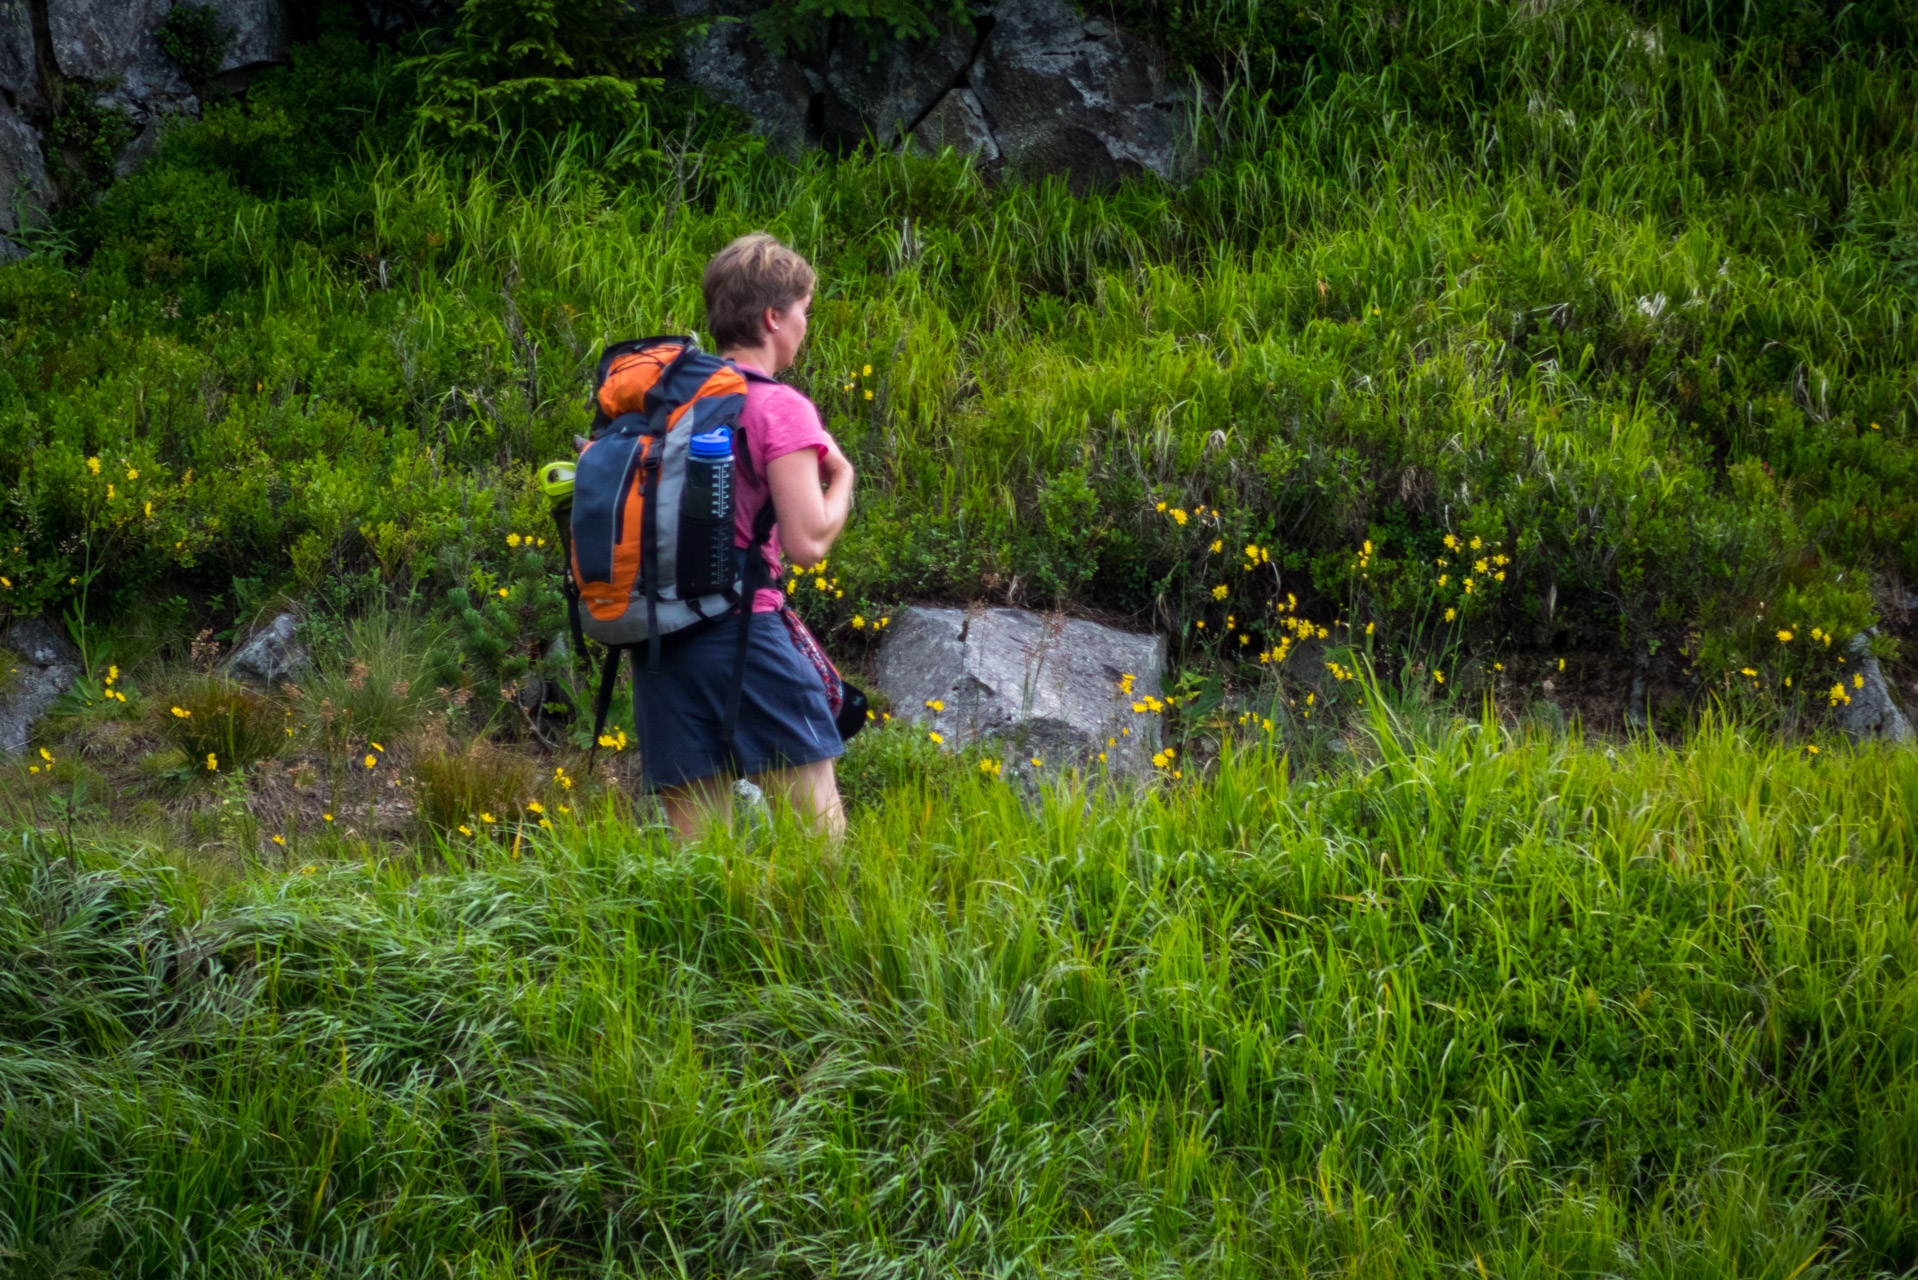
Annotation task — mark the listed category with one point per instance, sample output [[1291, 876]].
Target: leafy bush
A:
[[534, 68], [81, 139], [193, 36]]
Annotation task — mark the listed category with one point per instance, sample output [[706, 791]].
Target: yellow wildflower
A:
[[93, 465], [1784, 637], [371, 760], [512, 540], [1178, 515], [465, 830], [534, 806], [866, 372], [936, 736], [212, 761], [858, 622], [487, 817], [280, 840]]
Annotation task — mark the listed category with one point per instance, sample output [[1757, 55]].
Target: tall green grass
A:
[[1469, 1003]]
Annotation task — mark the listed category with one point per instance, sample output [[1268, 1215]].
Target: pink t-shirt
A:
[[776, 421]]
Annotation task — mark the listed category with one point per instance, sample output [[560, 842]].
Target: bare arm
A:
[[810, 517]]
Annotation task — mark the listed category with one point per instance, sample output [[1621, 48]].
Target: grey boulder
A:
[[43, 666], [729, 62], [40, 642], [259, 32], [116, 42], [24, 190], [19, 72], [1871, 714], [889, 94], [271, 654], [957, 121], [1069, 93], [1049, 687]]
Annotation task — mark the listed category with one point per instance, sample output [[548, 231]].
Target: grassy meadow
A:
[[1467, 1001], [1499, 357]]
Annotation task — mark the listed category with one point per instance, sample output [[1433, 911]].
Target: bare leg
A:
[[813, 792], [691, 807]]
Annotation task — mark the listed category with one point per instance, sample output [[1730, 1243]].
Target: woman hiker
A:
[[757, 294]]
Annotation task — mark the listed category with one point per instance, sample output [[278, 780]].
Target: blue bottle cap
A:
[[717, 443]]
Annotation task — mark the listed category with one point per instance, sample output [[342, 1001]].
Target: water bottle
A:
[[706, 515]]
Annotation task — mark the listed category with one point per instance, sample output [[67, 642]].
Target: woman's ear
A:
[[771, 319]]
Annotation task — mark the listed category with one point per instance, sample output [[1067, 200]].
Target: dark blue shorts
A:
[[784, 718]]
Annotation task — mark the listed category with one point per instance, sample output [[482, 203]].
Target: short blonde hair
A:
[[752, 273]]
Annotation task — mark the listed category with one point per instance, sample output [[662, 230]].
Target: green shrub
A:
[[193, 36], [81, 140], [534, 68]]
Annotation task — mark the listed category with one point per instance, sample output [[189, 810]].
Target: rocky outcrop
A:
[[271, 654], [731, 64], [19, 61], [1046, 687], [958, 121], [1070, 94], [1035, 85], [885, 96], [110, 53], [24, 190], [1870, 713], [40, 665]]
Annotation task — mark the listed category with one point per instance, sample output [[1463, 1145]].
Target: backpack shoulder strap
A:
[[603, 701]]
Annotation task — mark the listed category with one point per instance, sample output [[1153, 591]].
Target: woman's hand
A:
[[810, 517]]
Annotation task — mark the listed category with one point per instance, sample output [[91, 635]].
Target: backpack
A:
[[648, 543]]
